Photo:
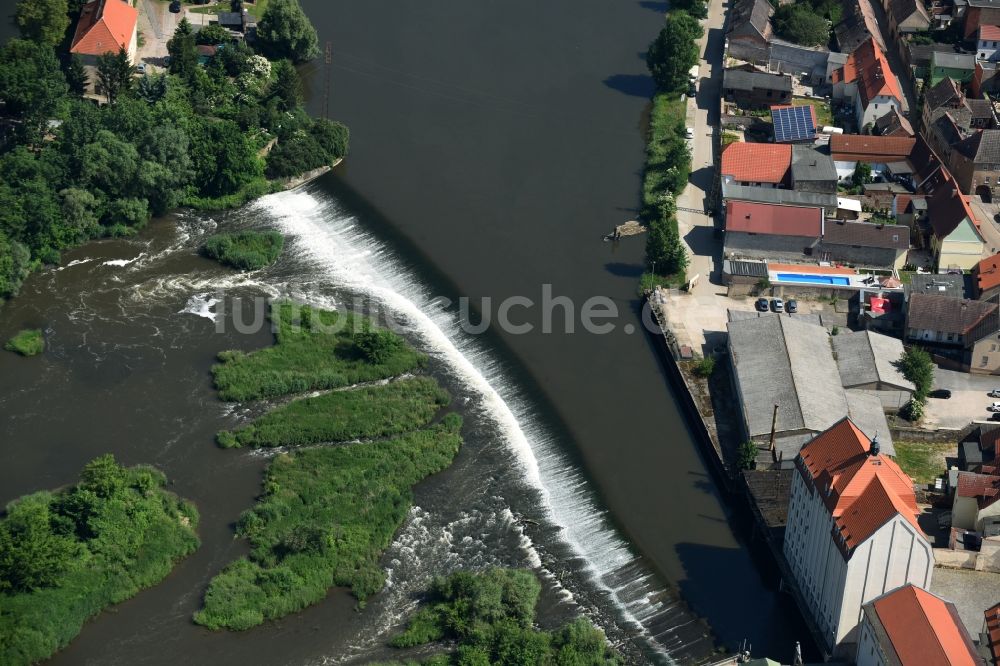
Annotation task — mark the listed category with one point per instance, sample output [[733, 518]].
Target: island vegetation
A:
[[327, 512], [244, 250], [68, 554], [668, 158], [29, 342], [489, 618], [208, 135]]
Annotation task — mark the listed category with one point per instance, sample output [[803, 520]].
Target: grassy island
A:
[[28, 342], [68, 554], [327, 513], [245, 250], [210, 131], [490, 617]]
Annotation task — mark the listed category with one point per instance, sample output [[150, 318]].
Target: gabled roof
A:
[[866, 234], [904, 9], [775, 220], [867, 66], [751, 18], [951, 315], [988, 273], [861, 491], [945, 92], [104, 25], [920, 629], [858, 26], [952, 60], [992, 632], [866, 357], [989, 32], [866, 148], [732, 191], [893, 124], [947, 208], [984, 488], [982, 147], [740, 79], [757, 162]]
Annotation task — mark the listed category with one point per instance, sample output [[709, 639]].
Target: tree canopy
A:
[[284, 31], [917, 366], [799, 23], [44, 21], [674, 51]]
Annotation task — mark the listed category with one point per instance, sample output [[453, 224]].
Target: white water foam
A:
[[121, 263], [201, 305], [321, 234]]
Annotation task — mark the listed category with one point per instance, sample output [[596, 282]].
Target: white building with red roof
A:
[[988, 42], [977, 497], [866, 79], [759, 164], [852, 531], [912, 627], [105, 26]]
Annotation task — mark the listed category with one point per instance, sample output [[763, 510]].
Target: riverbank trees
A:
[[71, 170], [68, 554]]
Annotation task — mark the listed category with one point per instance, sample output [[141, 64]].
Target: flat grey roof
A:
[[733, 190]]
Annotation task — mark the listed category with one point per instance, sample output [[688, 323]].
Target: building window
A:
[[950, 337], [985, 362]]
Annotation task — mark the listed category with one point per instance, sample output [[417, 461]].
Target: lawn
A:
[[923, 461], [256, 9], [824, 116]]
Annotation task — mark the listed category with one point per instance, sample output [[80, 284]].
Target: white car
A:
[[995, 407], [689, 132], [995, 393]]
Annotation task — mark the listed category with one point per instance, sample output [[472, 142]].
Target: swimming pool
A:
[[813, 279]]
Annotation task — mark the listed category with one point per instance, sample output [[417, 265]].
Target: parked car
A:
[[689, 132], [791, 305], [995, 393], [762, 305], [175, 7], [141, 68], [943, 394], [777, 305], [994, 407], [995, 416]]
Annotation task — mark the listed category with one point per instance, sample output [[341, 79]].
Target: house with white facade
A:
[[867, 81], [988, 42], [913, 627], [852, 532], [975, 500]]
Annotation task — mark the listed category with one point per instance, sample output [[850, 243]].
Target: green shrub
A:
[[705, 367], [28, 342], [917, 366], [372, 411], [315, 350], [67, 555], [245, 250], [913, 410], [747, 455]]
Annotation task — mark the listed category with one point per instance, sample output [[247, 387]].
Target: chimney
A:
[[874, 450]]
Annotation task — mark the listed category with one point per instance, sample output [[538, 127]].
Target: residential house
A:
[[750, 33], [105, 26], [980, 13], [771, 232], [955, 239], [967, 114], [852, 532], [756, 90], [877, 151], [975, 500], [975, 163], [812, 171], [757, 164], [906, 17], [936, 284], [917, 57], [858, 26], [241, 21], [880, 246], [965, 330], [958, 66], [910, 626], [987, 42], [985, 80], [882, 310], [788, 362], [986, 278], [867, 81], [978, 448], [733, 191], [893, 124]]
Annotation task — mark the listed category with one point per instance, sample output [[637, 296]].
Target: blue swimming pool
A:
[[813, 279]]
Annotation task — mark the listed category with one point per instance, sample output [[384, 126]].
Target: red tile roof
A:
[[991, 32], [993, 632], [762, 218], [984, 488], [105, 25], [868, 67], [988, 273], [866, 148], [861, 491], [757, 162], [924, 629]]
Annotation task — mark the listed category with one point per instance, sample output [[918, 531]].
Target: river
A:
[[493, 144]]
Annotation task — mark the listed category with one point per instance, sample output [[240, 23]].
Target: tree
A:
[[110, 165], [31, 556], [377, 346], [916, 365], [152, 88], [14, 266], [747, 455], [696, 8], [800, 24], [224, 160], [79, 209], [166, 170], [284, 31], [862, 174], [183, 50], [332, 137], [103, 476], [114, 74], [76, 76], [286, 88], [213, 34], [31, 84], [674, 51], [44, 21]]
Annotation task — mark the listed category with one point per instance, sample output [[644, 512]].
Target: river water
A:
[[492, 145]]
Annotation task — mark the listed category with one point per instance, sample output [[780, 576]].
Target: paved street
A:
[[157, 26], [968, 400]]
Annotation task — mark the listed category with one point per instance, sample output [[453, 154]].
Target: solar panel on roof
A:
[[793, 123]]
